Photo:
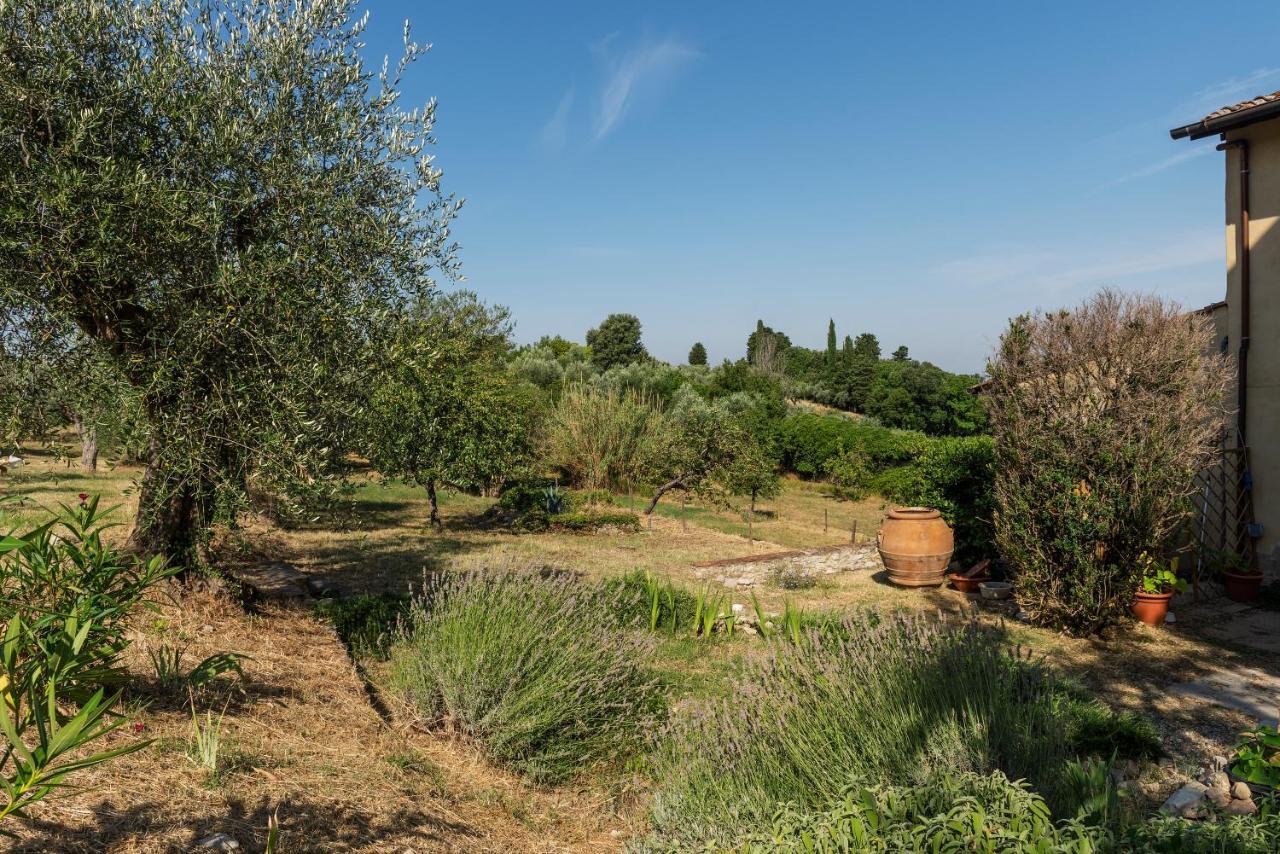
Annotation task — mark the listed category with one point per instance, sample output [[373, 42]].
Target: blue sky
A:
[[922, 171]]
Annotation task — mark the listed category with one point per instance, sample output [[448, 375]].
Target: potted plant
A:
[[1159, 582], [1242, 580]]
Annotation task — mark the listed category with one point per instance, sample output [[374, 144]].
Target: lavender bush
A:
[[878, 702], [533, 665]]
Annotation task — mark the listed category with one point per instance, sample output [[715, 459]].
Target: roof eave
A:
[[1231, 121]]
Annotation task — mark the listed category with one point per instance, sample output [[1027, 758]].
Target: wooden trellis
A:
[[1224, 505]]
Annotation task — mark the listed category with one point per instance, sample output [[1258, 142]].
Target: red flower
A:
[[84, 496], [139, 726]]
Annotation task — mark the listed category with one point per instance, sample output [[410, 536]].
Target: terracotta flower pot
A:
[[1243, 587], [965, 584], [916, 547], [1151, 608]]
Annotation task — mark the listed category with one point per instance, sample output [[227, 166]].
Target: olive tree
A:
[[1101, 416], [443, 408], [223, 197]]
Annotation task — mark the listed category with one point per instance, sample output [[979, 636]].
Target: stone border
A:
[[772, 556]]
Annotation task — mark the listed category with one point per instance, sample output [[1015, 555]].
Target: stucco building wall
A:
[[1262, 424]]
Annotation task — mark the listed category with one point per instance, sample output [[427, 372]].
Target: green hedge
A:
[[808, 441]]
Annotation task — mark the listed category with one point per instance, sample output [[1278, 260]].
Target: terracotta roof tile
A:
[[1243, 105]]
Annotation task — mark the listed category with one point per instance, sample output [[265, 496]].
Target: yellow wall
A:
[[1263, 416]]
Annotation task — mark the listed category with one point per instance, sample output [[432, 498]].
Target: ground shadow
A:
[[305, 825]]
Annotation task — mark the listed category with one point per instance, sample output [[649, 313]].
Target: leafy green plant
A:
[[62, 572], [1257, 756], [205, 747], [64, 598], [1160, 576], [522, 662], [849, 473], [642, 597], [706, 612], [42, 740], [946, 812], [166, 661]]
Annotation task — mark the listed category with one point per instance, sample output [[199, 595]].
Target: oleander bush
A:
[[1102, 416], [534, 666], [64, 599], [879, 701]]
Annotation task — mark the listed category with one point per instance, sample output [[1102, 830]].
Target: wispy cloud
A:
[[555, 132], [1057, 272], [1156, 168], [631, 74], [1235, 89]]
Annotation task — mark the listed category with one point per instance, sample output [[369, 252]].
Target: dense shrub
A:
[[603, 439], [532, 666], [64, 600], [592, 519], [953, 475], [642, 598], [849, 474], [880, 701], [366, 624], [808, 441], [1102, 417]]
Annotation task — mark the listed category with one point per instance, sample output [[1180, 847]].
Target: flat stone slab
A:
[[274, 582], [1247, 690], [1254, 628]]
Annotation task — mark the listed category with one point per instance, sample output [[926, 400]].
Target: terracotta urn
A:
[[1151, 608], [916, 546]]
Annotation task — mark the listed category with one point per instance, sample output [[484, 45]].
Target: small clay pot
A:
[[965, 584], [1243, 587], [1151, 608]]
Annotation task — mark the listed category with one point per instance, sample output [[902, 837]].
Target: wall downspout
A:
[[1242, 361]]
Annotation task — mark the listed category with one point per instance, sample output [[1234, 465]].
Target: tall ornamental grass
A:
[[877, 702], [535, 666]]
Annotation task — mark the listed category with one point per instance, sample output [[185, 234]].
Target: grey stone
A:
[[219, 842], [1218, 762], [1186, 801], [1170, 617], [1240, 791], [1241, 807]]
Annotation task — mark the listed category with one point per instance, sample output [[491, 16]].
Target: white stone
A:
[[1186, 801], [738, 607], [219, 842], [1241, 792], [1219, 781]]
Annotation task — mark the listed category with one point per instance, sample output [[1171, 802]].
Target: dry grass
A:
[[304, 738]]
